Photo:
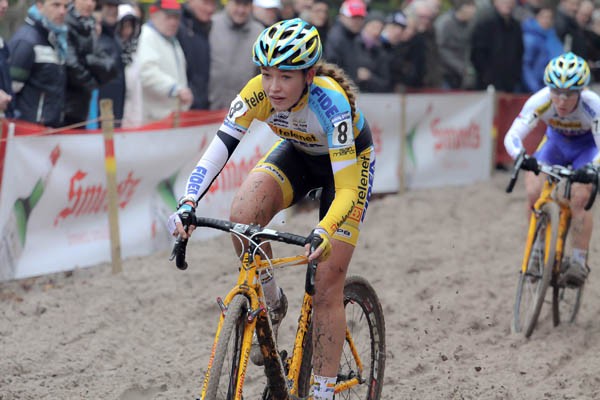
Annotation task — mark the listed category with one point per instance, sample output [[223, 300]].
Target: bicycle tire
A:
[[369, 314], [566, 301], [221, 384], [531, 284]]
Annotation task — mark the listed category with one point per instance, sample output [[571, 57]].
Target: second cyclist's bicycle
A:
[[544, 260], [244, 313]]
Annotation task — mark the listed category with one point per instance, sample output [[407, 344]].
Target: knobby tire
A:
[[527, 311], [363, 312], [222, 383]]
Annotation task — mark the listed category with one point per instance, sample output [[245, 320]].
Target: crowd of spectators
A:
[[69, 54]]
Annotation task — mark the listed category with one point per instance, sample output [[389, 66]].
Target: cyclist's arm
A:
[[223, 145], [346, 174], [526, 121]]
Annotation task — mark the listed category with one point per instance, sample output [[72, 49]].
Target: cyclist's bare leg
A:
[[256, 202], [581, 220], [329, 317], [533, 188]]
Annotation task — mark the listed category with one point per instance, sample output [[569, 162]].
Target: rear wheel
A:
[[533, 283], [365, 322], [565, 302], [223, 378]]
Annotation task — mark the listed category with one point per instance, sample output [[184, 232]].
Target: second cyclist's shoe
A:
[[575, 275], [277, 314]]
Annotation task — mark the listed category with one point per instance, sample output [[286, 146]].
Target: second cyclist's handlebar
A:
[[254, 232], [559, 173]]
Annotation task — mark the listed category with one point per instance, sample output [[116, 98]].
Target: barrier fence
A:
[[54, 192]]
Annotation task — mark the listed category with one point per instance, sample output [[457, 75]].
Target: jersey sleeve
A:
[[248, 105], [344, 164], [526, 121]]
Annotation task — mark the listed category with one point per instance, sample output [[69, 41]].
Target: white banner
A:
[[53, 203], [449, 139], [53, 212]]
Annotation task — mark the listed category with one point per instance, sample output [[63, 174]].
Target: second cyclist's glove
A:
[[530, 164], [184, 214], [585, 174], [320, 237]]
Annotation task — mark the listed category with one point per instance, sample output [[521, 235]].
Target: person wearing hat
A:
[[342, 34], [162, 64], [193, 35], [266, 11]]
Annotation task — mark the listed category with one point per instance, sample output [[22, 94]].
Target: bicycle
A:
[[244, 312], [549, 222]]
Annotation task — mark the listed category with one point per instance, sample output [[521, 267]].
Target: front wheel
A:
[[224, 373], [533, 283], [366, 328]]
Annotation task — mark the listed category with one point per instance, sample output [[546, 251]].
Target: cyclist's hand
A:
[[585, 174], [182, 218], [323, 250], [530, 164]]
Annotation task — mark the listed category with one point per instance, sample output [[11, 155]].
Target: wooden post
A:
[[402, 173], [110, 165]]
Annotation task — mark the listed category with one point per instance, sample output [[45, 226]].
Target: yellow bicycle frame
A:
[[248, 284], [548, 195]]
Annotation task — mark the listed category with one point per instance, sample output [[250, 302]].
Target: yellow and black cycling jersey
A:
[[321, 123]]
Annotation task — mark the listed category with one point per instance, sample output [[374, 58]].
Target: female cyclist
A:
[[325, 142], [572, 137]]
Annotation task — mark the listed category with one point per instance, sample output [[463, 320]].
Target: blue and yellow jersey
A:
[[321, 123]]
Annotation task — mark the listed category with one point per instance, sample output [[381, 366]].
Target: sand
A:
[[445, 265]]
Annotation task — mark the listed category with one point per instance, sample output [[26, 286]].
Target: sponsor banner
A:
[[383, 113], [448, 139], [53, 209]]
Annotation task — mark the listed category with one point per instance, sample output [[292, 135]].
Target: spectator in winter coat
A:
[[193, 35], [341, 37], [497, 48], [162, 63], [453, 34], [6, 104], [39, 83], [541, 44]]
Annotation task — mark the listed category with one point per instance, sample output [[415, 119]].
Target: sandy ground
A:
[[443, 261]]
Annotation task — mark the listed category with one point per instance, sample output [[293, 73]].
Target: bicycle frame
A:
[[547, 195], [248, 285]]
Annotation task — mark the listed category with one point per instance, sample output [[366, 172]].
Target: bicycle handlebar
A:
[[253, 232], [558, 173]]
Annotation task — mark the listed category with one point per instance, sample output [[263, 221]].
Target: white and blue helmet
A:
[[567, 71], [288, 45]]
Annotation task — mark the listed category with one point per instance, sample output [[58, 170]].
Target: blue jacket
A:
[[540, 46], [5, 81], [41, 73]]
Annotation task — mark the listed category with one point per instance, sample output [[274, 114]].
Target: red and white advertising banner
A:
[[383, 113], [53, 206], [448, 138], [53, 202]]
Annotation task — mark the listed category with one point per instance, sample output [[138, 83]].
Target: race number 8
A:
[[342, 135]]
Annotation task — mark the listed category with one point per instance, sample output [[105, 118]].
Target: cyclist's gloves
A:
[[585, 174], [320, 238], [530, 164], [184, 214]]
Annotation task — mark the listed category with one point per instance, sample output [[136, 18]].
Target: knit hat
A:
[[353, 8], [168, 6]]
